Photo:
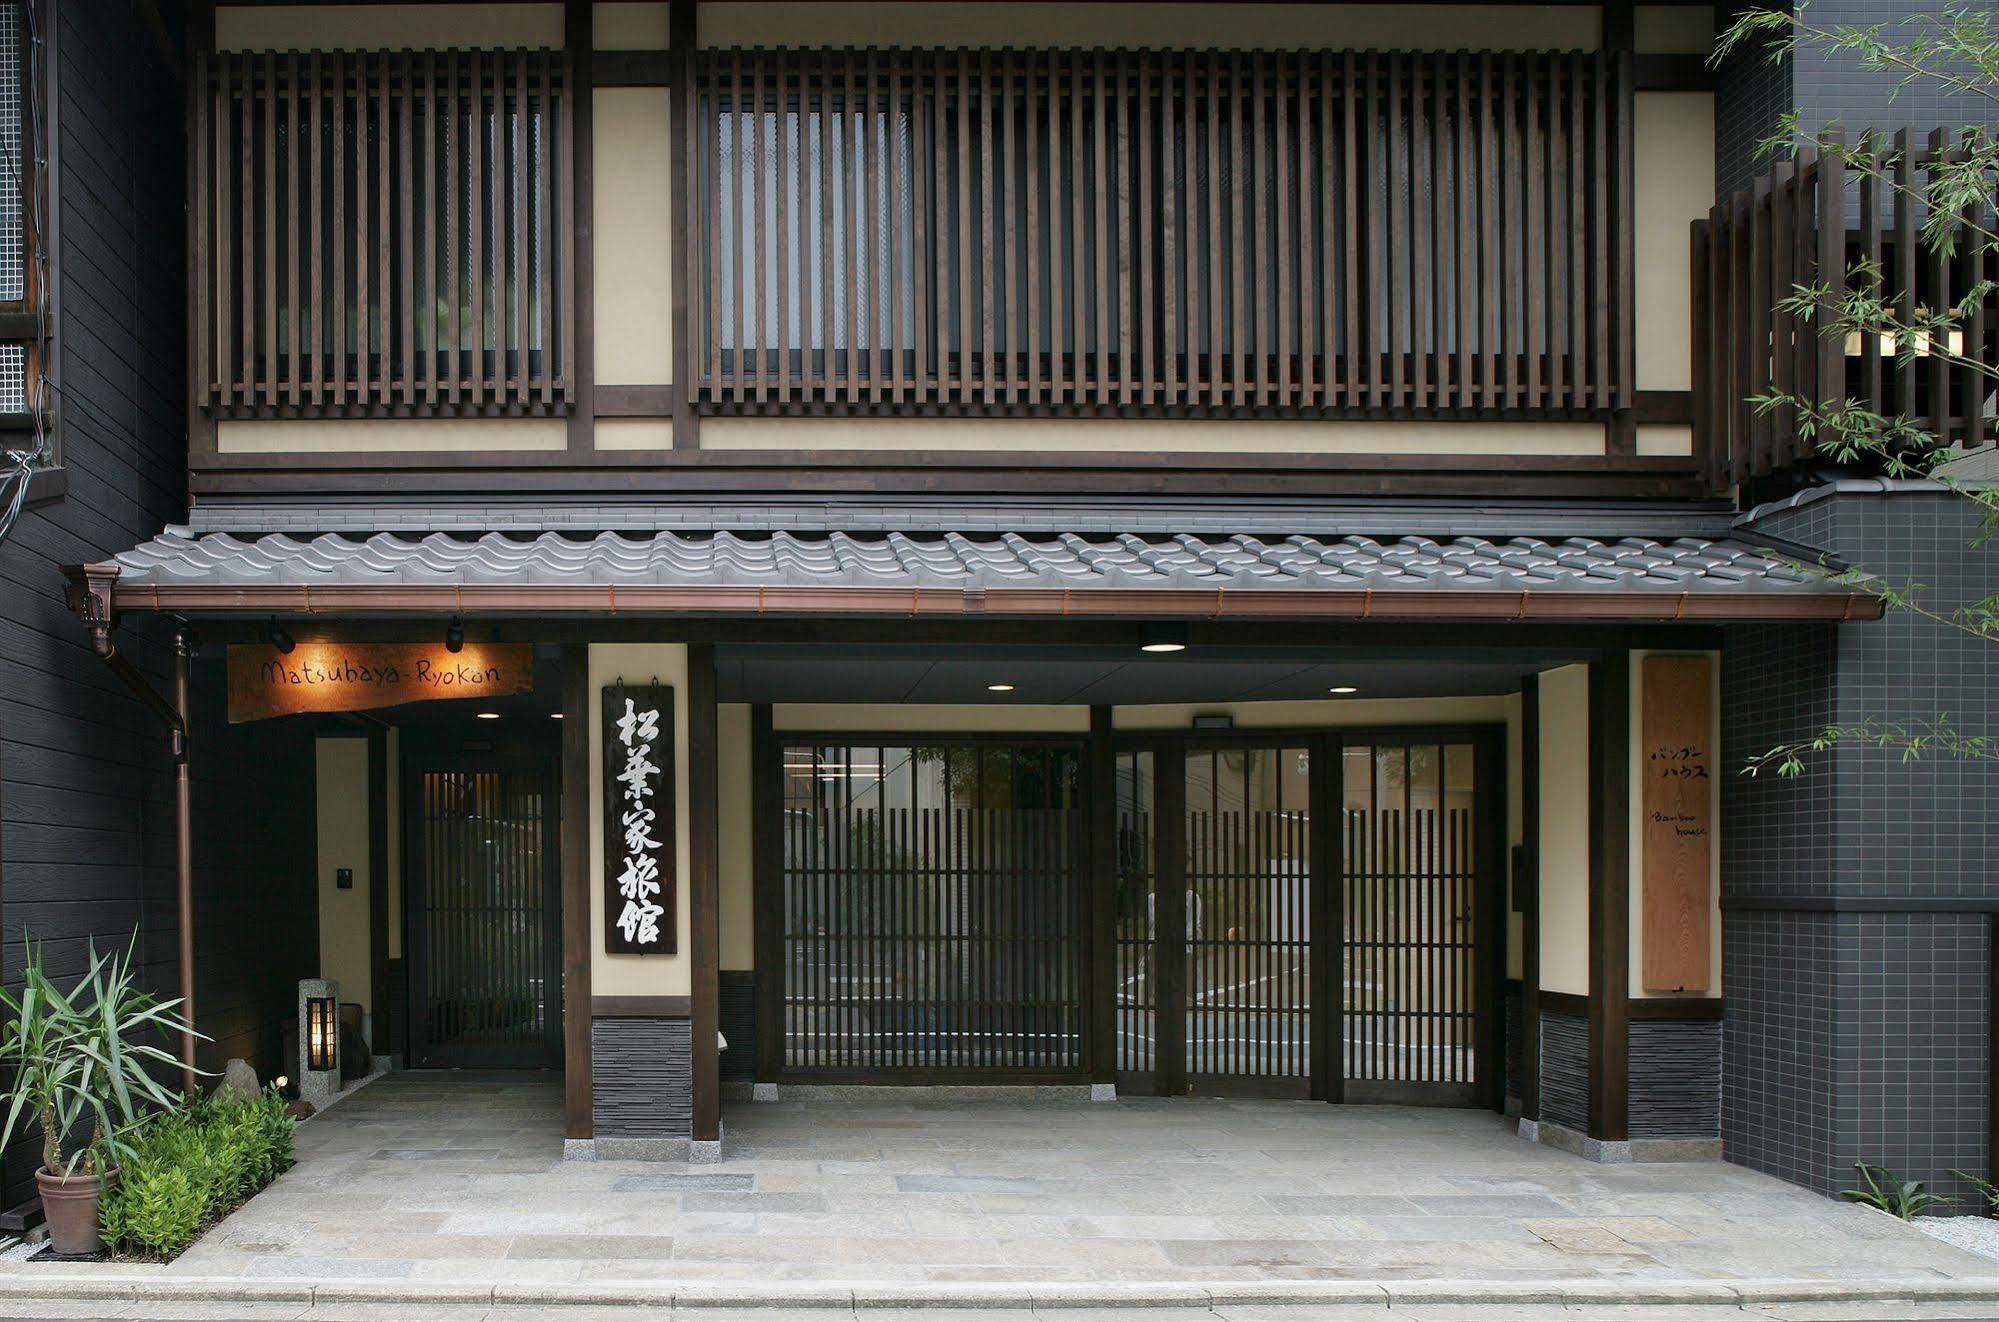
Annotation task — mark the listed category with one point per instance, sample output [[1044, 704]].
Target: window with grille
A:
[[1191, 232], [383, 233]]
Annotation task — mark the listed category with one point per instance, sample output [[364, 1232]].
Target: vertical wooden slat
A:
[[987, 256], [1100, 201], [1149, 73], [1312, 219], [1902, 285], [962, 252], [268, 201], [1123, 228], [1033, 71], [384, 298], [1238, 339], [1941, 302]]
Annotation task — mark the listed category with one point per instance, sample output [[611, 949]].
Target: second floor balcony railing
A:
[[1197, 233], [1812, 224]]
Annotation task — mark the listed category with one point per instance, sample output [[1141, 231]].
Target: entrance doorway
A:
[[1245, 861], [481, 898]]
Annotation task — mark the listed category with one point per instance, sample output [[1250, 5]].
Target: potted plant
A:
[[81, 1067]]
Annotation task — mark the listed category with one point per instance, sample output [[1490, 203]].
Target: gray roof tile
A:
[[956, 559]]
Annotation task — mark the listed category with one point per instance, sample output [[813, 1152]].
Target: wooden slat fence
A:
[[1814, 222], [383, 233], [1240, 233]]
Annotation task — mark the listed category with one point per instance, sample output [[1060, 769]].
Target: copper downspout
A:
[[184, 857]]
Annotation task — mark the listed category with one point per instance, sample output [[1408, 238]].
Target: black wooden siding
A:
[[86, 791]]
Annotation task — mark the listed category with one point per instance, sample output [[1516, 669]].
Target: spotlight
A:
[[1163, 638], [276, 636], [454, 635]]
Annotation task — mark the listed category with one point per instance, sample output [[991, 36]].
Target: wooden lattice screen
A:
[[1193, 232], [382, 233], [1813, 223]]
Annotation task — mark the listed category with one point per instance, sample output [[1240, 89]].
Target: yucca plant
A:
[[1884, 1193], [83, 1055]]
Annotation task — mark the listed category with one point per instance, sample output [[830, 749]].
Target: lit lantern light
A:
[[322, 1033]]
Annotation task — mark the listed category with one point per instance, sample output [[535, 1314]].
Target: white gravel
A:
[[1975, 1234]]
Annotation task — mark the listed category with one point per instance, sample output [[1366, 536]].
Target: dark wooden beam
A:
[[632, 68], [1609, 895], [1328, 920], [576, 711], [635, 401], [1671, 73], [1169, 944], [1103, 789], [641, 1007], [1654, 1008], [703, 890], [579, 42], [680, 36]]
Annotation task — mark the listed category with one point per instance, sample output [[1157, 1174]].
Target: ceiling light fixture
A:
[[1342, 688], [555, 716], [999, 688], [1163, 638], [489, 716]]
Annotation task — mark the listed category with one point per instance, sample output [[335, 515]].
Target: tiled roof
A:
[[1699, 565]]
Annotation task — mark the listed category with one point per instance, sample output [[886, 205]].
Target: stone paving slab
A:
[[1218, 1203]]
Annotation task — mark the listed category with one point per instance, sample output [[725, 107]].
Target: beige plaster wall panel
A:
[[346, 945], [386, 27], [1673, 178], [1154, 436], [1564, 908], [639, 975], [735, 857], [336, 436], [1665, 440], [1237, 26], [629, 25], [633, 434], [634, 234], [1673, 29]]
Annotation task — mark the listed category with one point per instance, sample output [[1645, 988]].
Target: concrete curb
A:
[[73, 1287]]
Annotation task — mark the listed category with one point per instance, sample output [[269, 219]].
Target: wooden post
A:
[[184, 853], [1102, 983], [1530, 907], [378, 883], [703, 890], [767, 912], [1169, 926], [1609, 895], [576, 880]]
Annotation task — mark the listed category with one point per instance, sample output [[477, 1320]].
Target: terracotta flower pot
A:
[[69, 1202]]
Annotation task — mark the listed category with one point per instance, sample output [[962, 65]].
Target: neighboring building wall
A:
[[86, 798], [1858, 1026]]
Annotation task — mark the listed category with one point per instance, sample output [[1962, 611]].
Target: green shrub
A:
[[191, 1166]]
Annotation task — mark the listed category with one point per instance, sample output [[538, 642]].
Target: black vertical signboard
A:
[[639, 890]]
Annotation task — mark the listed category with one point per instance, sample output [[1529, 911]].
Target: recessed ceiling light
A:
[[555, 716], [999, 688], [489, 716], [1342, 688], [1163, 638]]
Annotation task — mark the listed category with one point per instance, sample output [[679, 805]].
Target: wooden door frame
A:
[[423, 747]]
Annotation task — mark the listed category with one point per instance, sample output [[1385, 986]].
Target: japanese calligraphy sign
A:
[[639, 892], [1677, 799], [333, 676]]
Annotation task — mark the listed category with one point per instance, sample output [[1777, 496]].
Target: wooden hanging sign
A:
[[639, 877], [335, 676], [1677, 727]]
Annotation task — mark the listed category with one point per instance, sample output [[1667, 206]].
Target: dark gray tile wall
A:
[[1786, 1042], [642, 1078], [1516, 1044], [1857, 1031], [1675, 1089], [737, 1014], [1565, 1071]]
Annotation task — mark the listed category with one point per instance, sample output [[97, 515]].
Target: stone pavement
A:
[[452, 1182]]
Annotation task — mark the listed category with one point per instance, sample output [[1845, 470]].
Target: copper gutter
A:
[[644, 600]]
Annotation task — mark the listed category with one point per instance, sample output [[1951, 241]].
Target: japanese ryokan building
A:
[[1116, 548]]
